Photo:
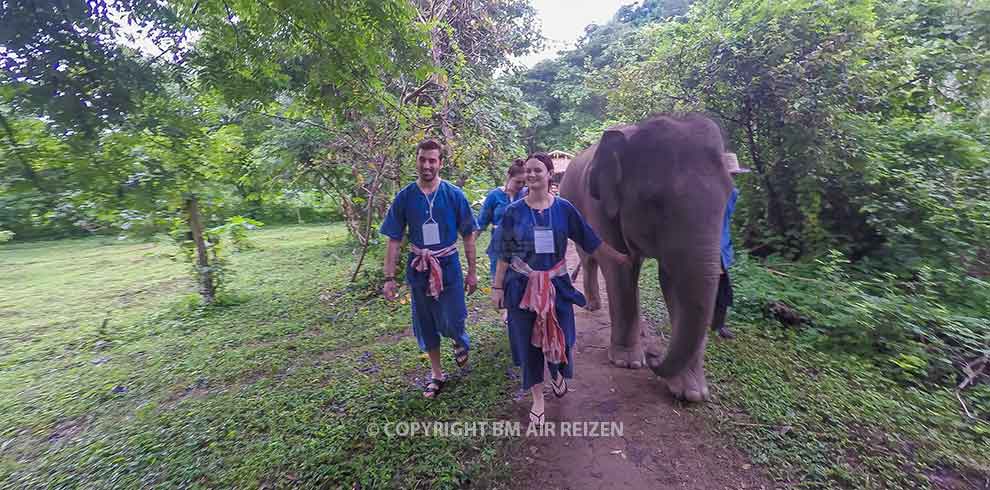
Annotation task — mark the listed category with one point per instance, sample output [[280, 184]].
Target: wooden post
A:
[[206, 286]]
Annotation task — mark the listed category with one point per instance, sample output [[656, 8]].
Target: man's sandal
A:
[[460, 355], [536, 419], [559, 390], [433, 389]]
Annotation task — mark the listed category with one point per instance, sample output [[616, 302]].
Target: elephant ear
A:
[[606, 168]]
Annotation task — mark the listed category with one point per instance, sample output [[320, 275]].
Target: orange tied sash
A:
[[539, 297], [427, 259]]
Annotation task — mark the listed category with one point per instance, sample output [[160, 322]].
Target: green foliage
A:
[[824, 418], [833, 104], [6, 236], [927, 179], [334, 57], [235, 230], [571, 92], [60, 60], [923, 330], [221, 242], [275, 385]]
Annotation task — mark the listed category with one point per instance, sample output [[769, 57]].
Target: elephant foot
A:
[[690, 385], [594, 304], [627, 357]]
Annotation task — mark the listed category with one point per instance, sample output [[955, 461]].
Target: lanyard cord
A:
[[429, 202]]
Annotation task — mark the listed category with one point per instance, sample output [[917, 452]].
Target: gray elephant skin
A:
[[656, 189]]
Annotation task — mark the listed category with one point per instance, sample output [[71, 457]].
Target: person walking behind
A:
[[494, 206], [531, 281], [433, 212], [723, 299]]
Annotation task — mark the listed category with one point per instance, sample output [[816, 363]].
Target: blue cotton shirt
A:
[[726, 242], [492, 210], [410, 210]]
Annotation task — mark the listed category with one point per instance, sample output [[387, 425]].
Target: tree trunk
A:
[[207, 289], [373, 191], [774, 207]]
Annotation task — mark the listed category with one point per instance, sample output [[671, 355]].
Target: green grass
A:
[[274, 387], [823, 420]]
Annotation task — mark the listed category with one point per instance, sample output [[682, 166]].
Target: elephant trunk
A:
[[689, 291]]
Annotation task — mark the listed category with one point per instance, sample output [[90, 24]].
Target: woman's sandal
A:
[[460, 355], [536, 419], [559, 390], [433, 389]]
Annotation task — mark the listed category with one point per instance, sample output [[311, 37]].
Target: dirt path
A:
[[663, 444]]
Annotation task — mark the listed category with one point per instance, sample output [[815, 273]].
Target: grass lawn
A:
[[112, 376], [272, 388]]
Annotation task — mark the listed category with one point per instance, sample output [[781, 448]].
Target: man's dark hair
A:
[[544, 159], [430, 144]]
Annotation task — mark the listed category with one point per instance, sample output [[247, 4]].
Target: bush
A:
[[924, 330]]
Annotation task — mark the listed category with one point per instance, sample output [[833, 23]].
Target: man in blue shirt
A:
[[432, 212], [723, 300]]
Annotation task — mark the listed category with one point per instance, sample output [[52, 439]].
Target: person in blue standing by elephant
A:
[[434, 212], [723, 299], [532, 282], [494, 206]]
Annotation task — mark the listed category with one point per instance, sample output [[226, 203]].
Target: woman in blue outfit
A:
[[495, 203], [532, 282], [494, 207]]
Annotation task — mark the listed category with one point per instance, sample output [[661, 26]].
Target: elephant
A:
[[656, 189]]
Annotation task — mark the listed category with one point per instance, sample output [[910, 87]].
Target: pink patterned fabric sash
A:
[[427, 259], [539, 297]]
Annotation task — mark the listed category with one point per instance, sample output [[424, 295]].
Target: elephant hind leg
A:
[[591, 289], [622, 287]]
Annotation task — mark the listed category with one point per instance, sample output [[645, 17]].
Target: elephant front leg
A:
[[622, 286], [691, 384]]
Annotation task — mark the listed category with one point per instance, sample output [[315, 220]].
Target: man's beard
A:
[[427, 176]]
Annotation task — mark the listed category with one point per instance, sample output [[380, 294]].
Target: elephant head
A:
[[662, 188]]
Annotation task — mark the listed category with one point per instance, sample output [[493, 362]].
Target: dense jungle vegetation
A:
[[863, 231]]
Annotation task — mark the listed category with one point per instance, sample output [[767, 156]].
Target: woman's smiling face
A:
[[536, 175]]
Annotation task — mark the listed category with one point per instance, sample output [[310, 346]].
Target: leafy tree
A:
[[61, 60]]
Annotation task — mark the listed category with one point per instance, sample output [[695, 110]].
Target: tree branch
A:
[[28, 170], [419, 90]]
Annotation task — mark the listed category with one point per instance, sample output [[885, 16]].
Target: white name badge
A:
[[543, 238], [431, 233]]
